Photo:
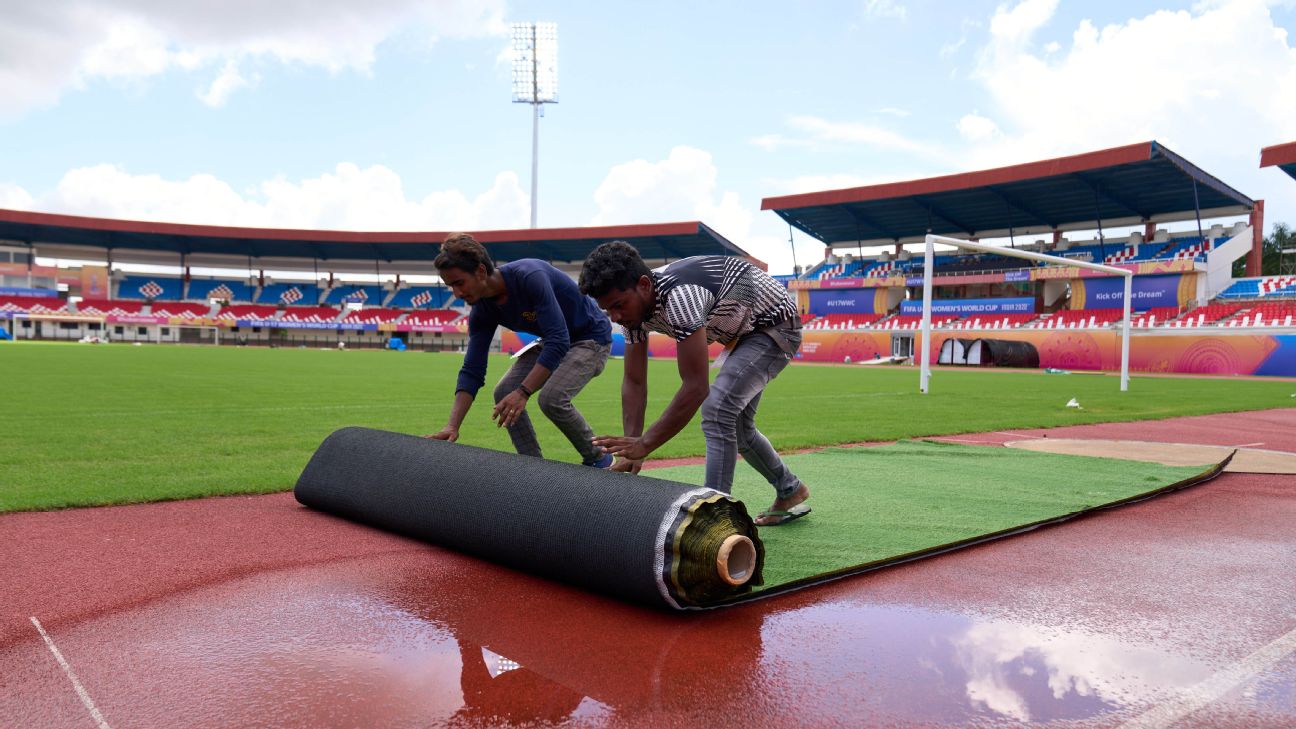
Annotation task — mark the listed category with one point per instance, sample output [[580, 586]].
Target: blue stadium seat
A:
[[404, 299], [1247, 288], [273, 293], [370, 295], [200, 289], [135, 287]]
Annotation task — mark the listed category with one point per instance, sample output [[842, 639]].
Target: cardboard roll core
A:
[[736, 559]]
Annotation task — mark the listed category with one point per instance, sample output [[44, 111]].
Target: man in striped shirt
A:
[[697, 301]]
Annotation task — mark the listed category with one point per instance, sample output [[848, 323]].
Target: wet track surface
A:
[[256, 611]]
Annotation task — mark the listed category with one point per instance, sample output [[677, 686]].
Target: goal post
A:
[[929, 255]]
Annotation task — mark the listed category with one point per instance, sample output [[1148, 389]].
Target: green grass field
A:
[[85, 425]]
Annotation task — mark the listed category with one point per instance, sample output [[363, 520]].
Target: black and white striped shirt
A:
[[725, 294]]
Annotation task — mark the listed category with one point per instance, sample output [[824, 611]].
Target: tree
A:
[[1272, 260]]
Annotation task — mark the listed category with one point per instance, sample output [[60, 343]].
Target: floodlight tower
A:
[[535, 82]]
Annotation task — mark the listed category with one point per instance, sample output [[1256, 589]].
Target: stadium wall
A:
[[1183, 352], [1197, 353]]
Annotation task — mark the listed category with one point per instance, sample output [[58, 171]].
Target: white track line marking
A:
[[1213, 688], [1017, 435], [76, 684], [1248, 445]]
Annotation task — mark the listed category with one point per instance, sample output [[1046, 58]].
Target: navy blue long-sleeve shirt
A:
[[541, 300]]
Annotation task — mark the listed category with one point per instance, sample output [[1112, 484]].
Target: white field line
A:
[[76, 683], [1018, 435], [1248, 445], [1215, 687]]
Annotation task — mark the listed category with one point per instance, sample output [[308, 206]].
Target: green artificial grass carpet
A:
[[874, 504]]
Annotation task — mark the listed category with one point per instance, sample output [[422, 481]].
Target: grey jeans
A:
[[729, 413], [582, 363]]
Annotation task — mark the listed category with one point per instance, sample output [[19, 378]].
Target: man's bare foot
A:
[[784, 509]]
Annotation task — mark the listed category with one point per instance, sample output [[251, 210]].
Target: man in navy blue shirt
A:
[[530, 296]]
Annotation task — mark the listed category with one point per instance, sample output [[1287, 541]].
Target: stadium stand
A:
[[431, 317], [369, 295], [814, 271], [104, 307], [1203, 315], [878, 269], [1094, 253], [1257, 288], [233, 291], [1156, 317], [32, 304], [150, 287], [372, 316], [1122, 256], [306, 293], [316, 314], [1193, 248], [1078, 319], [181, 309], [435, 297], [992, 321], [843, 321], [841, 270], [235, 312], [913, 321], [1265, 314]]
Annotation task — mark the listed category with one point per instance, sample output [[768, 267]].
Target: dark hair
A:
[[462, 251], [614, 265]]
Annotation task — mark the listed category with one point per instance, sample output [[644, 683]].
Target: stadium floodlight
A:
[[929, 255], [535, 82]]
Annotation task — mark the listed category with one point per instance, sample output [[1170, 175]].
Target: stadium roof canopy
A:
[[1282, 156], [1130, 185], [74, 237]]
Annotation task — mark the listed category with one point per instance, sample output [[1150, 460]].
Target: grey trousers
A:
[[582, 363], [729, 413]]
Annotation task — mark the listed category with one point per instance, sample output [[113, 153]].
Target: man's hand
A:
[[449, 433], [626, 447], [509, 409], [626, 466]]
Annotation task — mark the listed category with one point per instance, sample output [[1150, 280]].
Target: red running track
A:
[[249, 611]]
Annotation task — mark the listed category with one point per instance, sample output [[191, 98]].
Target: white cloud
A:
[[815, 183], [994, 654], [872, 135], [50, 46], [976, 128], [772, 142], [13, 197], [949, 49], [1182, 77], [348, 198], [1214, 83], [681, 187], [224, 85], [885, 9]]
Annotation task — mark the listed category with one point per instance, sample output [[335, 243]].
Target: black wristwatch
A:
[[525, 391]]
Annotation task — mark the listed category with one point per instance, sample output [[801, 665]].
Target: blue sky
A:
[[393, 115]]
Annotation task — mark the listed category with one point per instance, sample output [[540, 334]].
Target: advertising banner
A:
[[1109, 293], [19, 291], [94, 282], [858, 301], [443, 328], [328, 325], [965, 307], [137, 319]]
